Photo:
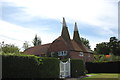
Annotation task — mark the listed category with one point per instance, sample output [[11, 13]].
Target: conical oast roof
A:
[[76, 36], [65, 33]]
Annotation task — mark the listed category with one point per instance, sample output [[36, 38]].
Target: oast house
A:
[[64, 47]]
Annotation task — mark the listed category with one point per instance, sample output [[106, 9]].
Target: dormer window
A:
[[81, 54], [62, 53]]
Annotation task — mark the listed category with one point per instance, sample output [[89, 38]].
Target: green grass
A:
[[102, 76]]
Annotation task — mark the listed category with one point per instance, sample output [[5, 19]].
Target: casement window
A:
[[62, 53], [81, 54]]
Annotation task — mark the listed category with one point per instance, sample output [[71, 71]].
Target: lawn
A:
[[102, 76]]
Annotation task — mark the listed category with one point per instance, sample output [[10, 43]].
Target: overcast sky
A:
[[21, 19]]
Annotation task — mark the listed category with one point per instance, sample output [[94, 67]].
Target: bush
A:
[[29, 66], [77, 68], [9, 48], [103, 67], [101, 58], [50, 68]]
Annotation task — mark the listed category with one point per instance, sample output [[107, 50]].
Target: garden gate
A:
[[65, 69]]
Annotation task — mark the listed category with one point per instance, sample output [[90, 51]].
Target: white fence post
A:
[[69, 73]]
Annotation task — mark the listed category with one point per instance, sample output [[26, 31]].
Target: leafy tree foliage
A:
[[85, 42], [9, 48], [113, 47], [102, 48], [1, 44], [26, 45], [102, 58], [36, 41]]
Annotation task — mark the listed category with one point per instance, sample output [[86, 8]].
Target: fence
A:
[[65, 69]]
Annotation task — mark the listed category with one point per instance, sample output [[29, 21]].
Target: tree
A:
[[1, 45], [85, 42], [36, 41], [26, 45], [9, 48], [102, 48], [101, 58], [114, 45]]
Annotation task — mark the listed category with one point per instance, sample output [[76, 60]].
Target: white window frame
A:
[[59, 53], [62, 53], [81, 54]]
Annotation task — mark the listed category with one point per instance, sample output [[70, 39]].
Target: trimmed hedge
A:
[[77, 68], [103, 67], [29, 66]]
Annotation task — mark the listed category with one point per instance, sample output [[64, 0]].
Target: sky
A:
[[21, 20]]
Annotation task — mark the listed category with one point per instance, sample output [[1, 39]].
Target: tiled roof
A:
[[59, 45], [62, 45], [75, 46], [84, 48], [37, 50]]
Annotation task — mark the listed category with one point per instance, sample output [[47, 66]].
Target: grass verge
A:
[[102, 76]]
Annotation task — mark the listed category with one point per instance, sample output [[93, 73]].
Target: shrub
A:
[[29, 66], [101, 58], [77, 68], [50, 68], [9, 48]]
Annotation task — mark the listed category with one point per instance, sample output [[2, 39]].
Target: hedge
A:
[[29, 66], [77, 68], [103, 67]]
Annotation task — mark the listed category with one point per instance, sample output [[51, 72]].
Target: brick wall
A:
[[87, 56]]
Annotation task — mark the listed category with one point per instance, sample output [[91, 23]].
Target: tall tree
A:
[[85, 42], [36, 41], [26, 45], [114, 45], [102, 48]]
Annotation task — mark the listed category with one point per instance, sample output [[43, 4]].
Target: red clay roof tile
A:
[[37, 50]]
